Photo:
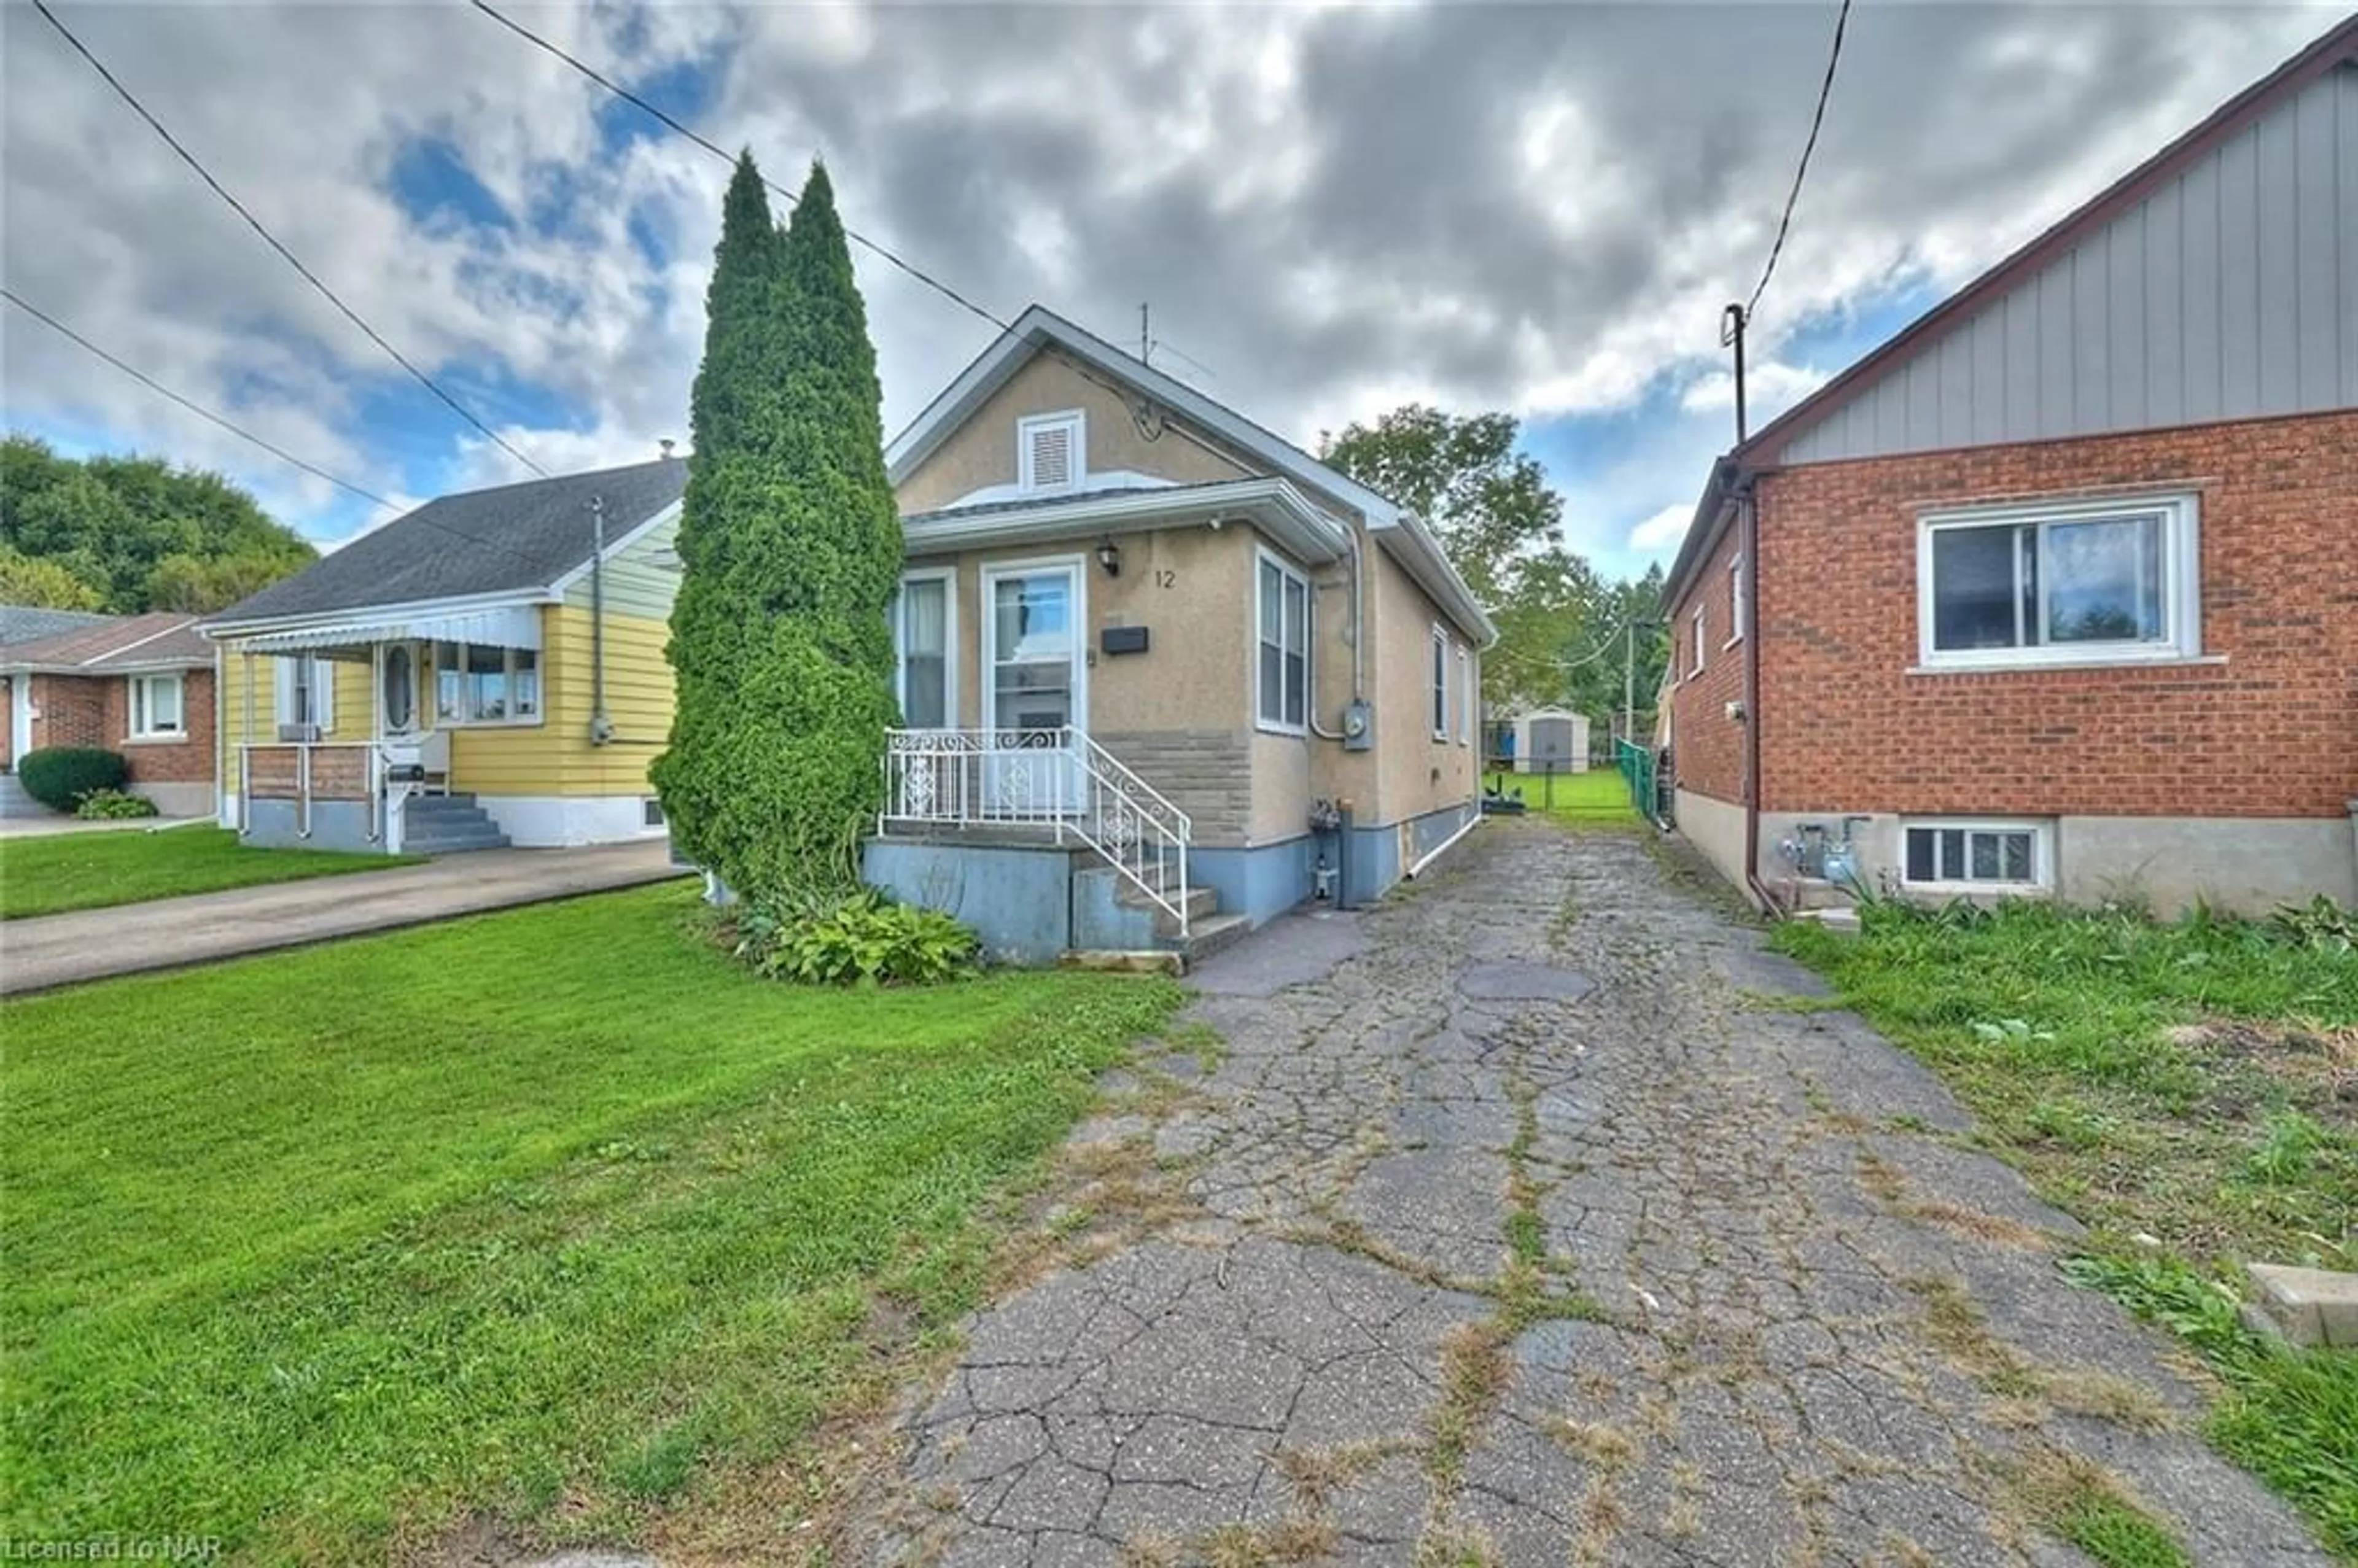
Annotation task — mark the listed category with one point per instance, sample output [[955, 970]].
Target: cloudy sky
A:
[[1333, 210]]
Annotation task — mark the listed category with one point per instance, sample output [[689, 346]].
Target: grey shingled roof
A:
[[510, 539], [160, 637], [30, 624]]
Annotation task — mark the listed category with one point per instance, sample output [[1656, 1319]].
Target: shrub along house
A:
[[486, 670], [138, 685], [2054, 593], [1221, 675]]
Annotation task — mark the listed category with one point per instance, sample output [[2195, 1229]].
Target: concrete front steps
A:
[[448, 825], [1208, 931]]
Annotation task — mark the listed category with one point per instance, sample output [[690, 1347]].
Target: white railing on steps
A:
[[1058, 780]]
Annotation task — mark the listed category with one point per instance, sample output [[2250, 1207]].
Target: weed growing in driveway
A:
[[2190, 1090], [2080, 1503]]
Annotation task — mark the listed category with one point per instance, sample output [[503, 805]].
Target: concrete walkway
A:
[[1509, 1226], [52, 825], [61, 949]]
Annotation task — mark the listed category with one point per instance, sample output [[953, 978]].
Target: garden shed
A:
[[1551, 741]]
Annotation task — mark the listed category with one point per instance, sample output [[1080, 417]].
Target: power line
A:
[[624, 94], [428, 382], [38, 314], [1817, 120]]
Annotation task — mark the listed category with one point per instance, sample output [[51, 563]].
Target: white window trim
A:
[[2182, 587], [282, 690], [429, 715], [139, 701], [1700, 637], [1079, 422], [1437, 684], [1287, 572], [1738, 618], [947, 577], [2043, 854]]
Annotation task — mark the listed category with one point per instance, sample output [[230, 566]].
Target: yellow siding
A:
[[554, 757]]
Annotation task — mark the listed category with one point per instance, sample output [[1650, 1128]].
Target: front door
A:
[[400, 688], [1034, 684]]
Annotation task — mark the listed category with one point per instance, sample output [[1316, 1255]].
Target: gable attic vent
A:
[[1049, 451]]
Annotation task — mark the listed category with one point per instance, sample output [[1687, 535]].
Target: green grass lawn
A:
[[2190, 1091], [541, 1215], [1599, 796], [61, 872]]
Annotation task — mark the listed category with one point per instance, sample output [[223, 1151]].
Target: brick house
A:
[[2054, 593], [140, 685]]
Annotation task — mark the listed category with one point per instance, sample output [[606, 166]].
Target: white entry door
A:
[[401, 689], [1034, 684]]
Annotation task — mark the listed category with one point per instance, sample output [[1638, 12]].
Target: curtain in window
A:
[[925, 654]]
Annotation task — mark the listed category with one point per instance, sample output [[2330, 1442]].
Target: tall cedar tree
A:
[[791, 544]]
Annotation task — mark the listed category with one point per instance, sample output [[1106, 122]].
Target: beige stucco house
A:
[[1135, 621]]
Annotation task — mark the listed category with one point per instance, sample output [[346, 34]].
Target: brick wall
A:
[[2271, 732], [95, 710], [1707, 746], [71, 710], [190, 761]]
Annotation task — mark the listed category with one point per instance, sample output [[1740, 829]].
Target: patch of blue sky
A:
[[433, 184], [1620, 466]]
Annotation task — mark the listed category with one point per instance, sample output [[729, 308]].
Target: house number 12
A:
[[1165, 579]]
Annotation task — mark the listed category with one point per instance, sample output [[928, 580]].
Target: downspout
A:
[[1748, 541], [601, 727]]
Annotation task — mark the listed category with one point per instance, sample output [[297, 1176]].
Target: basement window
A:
[[2065, 583], [1976, 856]]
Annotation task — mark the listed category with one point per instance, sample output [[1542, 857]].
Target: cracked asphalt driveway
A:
[[1509, 1225]]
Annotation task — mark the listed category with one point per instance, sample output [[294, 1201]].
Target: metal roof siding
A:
[[514, 538]]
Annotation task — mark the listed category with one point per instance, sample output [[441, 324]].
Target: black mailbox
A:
[[1122, 639]]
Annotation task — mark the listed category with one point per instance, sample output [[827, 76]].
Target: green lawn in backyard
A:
[[1599, 796], [543, 1216], [2194, 1083], [60, 871]]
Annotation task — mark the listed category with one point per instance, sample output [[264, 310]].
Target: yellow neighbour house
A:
[[488, 669]]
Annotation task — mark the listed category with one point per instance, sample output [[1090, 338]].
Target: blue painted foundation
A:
[[1259, 883], [335, 825], [1017, 898], [1030, 903]]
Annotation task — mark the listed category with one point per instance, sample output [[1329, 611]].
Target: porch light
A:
[[1109, 556]]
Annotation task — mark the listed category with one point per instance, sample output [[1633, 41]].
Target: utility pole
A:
[[1731, 322], [1145, 343], [1629, 686]]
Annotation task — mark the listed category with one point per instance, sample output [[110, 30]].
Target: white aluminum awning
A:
[[510, 626]]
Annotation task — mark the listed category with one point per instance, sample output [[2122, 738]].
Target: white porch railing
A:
[[1055, 779]]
